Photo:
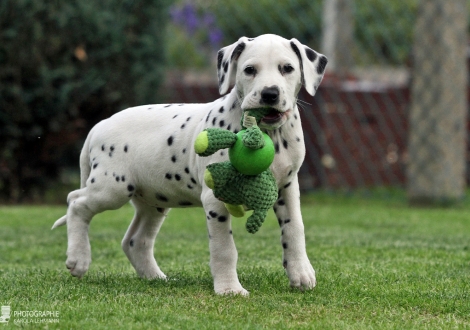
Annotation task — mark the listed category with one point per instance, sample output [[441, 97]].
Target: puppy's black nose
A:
[[270, 95]]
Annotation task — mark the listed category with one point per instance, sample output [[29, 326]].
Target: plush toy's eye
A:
[[250, 70], [288, 68]]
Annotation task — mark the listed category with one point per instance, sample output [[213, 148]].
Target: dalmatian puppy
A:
[[145, 154]]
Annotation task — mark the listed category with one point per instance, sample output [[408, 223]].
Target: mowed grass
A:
[[380, 265]]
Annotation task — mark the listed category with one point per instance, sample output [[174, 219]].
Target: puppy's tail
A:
[[85, 170], [62, 221]]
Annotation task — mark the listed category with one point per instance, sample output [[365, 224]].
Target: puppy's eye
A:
[[288, 68], [250, 70]]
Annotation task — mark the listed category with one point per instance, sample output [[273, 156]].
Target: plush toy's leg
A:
[[223, 253], [208, 179], [213, 139], [295, 260], [218, 174], [237, 211], [255, 220]]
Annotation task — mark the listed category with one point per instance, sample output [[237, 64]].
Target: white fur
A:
[[145, 154]]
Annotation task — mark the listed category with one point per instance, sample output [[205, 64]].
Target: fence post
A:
[[437, 119], [337, 31]]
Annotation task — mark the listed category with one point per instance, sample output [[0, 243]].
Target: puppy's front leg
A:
[[223, 253], [287, 208]]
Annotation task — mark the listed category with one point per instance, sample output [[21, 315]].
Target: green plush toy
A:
[[245, 181]]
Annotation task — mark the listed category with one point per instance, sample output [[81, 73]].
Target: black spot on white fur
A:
[[162, 198], [222, 218], [322, 64], [208, 115], [311, 55], [213, 214], [237, 51], [284, 143], [220, 57]]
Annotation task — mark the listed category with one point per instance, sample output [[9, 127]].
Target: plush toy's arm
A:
[[253, 138], [212, 139]]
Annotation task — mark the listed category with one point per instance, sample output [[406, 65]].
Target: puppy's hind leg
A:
[[139, 239], [83, 205]]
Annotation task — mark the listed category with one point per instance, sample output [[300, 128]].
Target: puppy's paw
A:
[[230, 288], [152, 274], [78, 264], [301, 274], [228, 292]]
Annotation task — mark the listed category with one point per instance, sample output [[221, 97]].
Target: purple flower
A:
[[185, 16], [215, 37], [209, 20]]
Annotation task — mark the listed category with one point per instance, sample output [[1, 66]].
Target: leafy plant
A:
[[63, 66]]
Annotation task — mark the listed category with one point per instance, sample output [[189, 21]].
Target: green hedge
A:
[[63, 66]]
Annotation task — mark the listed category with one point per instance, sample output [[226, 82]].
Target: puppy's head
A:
[[269, 72]]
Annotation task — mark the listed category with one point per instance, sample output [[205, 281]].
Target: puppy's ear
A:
[[312, 65], [227, 59]]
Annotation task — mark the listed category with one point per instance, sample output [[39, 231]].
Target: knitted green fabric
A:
[[212, 140], [253, 138], [258, 114], [256, 192]]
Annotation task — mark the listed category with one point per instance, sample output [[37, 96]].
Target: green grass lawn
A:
[[379, 265]]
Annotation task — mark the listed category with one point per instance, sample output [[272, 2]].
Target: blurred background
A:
[[391, 112]]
